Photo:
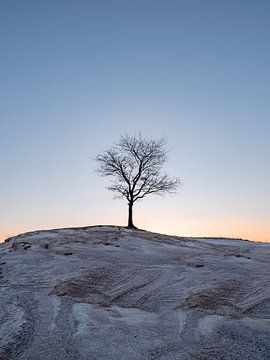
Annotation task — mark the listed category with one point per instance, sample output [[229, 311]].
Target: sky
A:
[[74, 75]]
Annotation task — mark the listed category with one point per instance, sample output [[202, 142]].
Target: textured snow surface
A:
[[112, 293]]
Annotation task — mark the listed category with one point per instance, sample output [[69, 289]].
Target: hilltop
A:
[[112, 293]]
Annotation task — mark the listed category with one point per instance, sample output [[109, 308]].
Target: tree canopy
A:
[[135, 165]]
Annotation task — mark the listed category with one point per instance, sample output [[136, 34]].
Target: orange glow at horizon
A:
[[200, 226], [212, 226]]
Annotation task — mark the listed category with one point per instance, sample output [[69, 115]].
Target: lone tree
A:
[[135, 164]]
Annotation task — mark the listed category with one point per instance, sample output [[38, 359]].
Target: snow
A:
[[115, 293], [55, 310], [208, 324], [81, 313], [11, 325], [221, 241]]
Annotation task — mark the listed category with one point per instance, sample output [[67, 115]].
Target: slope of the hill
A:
[[112, 293]]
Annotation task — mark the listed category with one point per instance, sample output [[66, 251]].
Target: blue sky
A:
[[76, 74]]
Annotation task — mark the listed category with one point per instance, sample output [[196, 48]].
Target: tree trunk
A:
[[130, 215]]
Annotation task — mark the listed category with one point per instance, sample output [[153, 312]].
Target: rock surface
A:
[[113, 293]]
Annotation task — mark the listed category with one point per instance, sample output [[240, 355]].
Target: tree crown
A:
[[135, 163]]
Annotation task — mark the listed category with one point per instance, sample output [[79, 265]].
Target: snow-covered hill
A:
[[113, 293]]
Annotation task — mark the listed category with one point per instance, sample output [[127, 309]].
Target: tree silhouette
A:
[[135, 164]]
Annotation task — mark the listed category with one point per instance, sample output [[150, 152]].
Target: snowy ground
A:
[[112, 293]]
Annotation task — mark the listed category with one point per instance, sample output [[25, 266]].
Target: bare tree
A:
[[135, 164]]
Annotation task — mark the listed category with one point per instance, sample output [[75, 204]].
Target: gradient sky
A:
[[76, 74]]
